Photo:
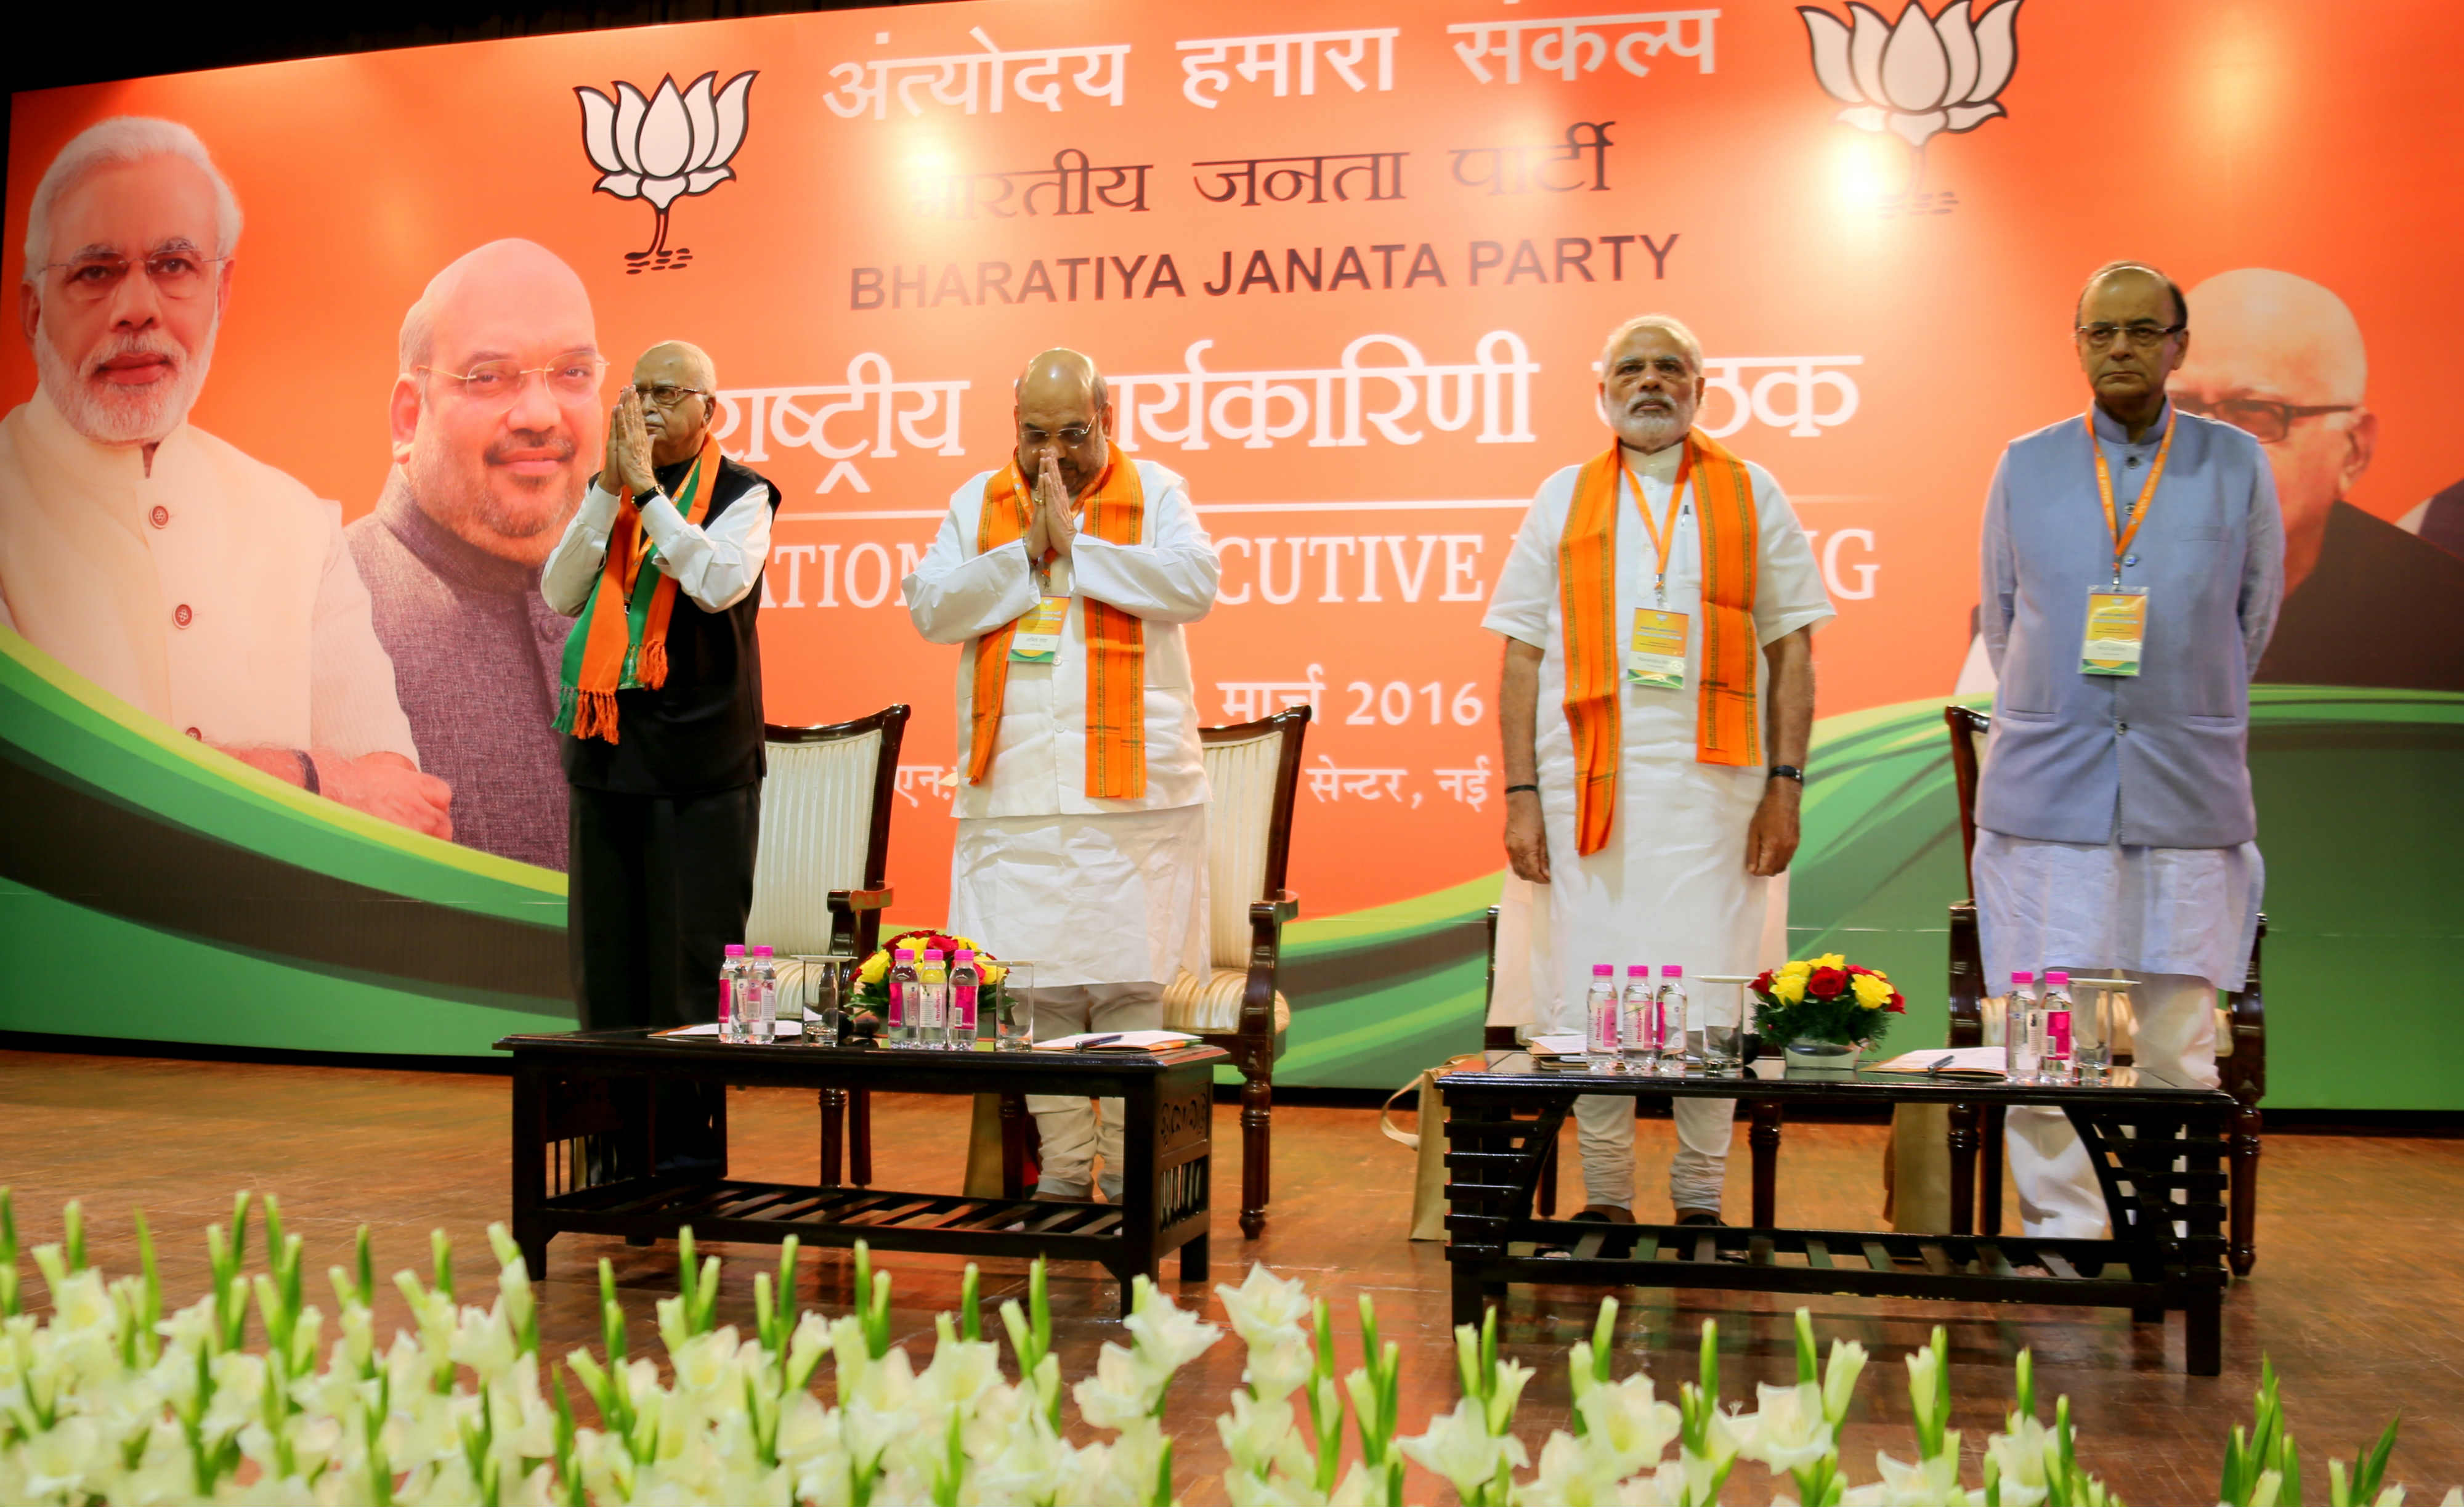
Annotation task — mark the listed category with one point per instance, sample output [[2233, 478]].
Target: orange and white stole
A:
[[1727, 729], [1114, 510]]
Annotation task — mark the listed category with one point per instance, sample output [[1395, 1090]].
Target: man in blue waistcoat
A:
[[2133, 565]]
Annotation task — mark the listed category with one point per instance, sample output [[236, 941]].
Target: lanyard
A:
[[1660, 541], [2121, 536]]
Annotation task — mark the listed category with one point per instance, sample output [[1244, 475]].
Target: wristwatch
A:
[[1786, 771]]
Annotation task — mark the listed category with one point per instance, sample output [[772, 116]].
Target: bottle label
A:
[[2057, 1034], [962, 1005], [897, 1005]]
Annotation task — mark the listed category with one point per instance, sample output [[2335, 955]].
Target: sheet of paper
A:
[[782, 1028], [1962, 1059], [1123, 1040], [1563, 1044]]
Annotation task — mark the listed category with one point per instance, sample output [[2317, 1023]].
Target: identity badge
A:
[[1038, 639], [2117, 631], [1656, 657]]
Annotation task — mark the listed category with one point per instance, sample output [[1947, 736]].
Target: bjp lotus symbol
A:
[[664, 146], [1921, 77]]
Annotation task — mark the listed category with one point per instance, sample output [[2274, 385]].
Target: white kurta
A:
[[2190, 911], [214, 592], [1670, 886], [1093, 891]]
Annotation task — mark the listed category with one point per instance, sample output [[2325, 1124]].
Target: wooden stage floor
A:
[[2352, 1298]]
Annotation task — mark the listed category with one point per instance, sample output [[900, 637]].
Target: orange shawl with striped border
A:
[[1727, 731], [1114, 511]]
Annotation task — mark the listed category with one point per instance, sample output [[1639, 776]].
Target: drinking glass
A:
[[819, 994], [1721, 1043], [1013, 1009], [2095, 1004]]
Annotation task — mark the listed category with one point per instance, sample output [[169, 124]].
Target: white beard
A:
[[113, 415], [1650, 432]]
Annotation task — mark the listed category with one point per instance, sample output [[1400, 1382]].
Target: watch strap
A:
[[1786, 771]]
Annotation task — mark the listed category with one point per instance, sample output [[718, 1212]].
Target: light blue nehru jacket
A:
[[2159, 758]]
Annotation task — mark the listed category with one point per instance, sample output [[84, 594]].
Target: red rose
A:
[[1897, 1006], [1826, 984], [1762, 982]]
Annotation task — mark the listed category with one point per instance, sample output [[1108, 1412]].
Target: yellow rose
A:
[[993, 972], [875, 968], [1789, 990], [1831, 959], [1873, 990], [1796, 970]]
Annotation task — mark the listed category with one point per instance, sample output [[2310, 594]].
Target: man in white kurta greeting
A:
[[1659, 608], [1081, 807], [187, 578]]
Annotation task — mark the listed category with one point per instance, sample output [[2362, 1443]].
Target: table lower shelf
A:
[[1861, 1263], [728, 1208]]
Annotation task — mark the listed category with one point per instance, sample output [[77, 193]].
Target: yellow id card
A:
[[2117, 631], [1656, 657], [1038, 639]]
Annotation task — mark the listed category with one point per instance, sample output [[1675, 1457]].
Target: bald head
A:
[[2269, 334], [504, 292], [2281, 357], [499, 460], [688, 379], [1063, 410]]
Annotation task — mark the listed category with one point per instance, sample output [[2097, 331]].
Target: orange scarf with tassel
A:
[[1114, 511], [1727, 731], [621, 643]]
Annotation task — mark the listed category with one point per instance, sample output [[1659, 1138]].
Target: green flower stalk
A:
[[10, 1301], [223, 1256], [1030, 1341], [1706, 1451], [1377, 1389], [73, 1235], [1587, 1363], [971, 1311], [2369, 1468]]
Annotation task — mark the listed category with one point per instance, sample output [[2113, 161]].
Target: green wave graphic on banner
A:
[[154, 889]]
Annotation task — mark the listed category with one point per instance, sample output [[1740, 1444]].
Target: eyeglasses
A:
[[176, 273], [1075, 436], [2262, 420], [2144, 335], [574, 375], [666, 394]]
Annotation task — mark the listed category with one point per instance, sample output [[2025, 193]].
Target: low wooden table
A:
[[595, 1084], [1502, 1121]]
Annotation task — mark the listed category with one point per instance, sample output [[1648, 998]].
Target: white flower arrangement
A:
[[111, 1402]]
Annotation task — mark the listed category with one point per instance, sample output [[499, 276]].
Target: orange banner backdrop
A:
[[1349, 266]]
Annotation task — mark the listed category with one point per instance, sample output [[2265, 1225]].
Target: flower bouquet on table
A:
[[1824, 1010], [872, 1002]]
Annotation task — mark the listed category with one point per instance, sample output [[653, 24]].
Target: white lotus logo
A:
[[1918, 78], [664, 146]]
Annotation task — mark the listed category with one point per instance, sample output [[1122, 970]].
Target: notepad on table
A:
[[1117, 1041], [1966, 1062]]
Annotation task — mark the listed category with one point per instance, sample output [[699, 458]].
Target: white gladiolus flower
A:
[[1459, 1448], [1121, 1392], [1839, 1374], [1274, 1491], [1572, 1476], [1927, 1483], [1260, 1436], [1169, 1337], [1788, 1431], [1265, 1308], [1279, 1368], [1624, 1423], [66, 1460]]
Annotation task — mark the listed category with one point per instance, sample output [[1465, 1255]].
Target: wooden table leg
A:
[[1764, 1137], [1142, 1192], [1013, 1128], [530, 1168], [1963, 1168], [860, 1137], [833, 1134]]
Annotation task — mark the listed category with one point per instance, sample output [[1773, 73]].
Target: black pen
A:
[[1099, 1041]]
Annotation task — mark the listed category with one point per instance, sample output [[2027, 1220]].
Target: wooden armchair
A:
[[818, 882], [1253, 771], [2241, 1025]]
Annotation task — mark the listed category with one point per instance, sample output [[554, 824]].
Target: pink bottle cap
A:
[[906, 954], [736, 949], [1670, 970], [962, 955], [1603, 971], [2023, 978], [2058, 978], [932, 954], [762, 952], [1640, 971]]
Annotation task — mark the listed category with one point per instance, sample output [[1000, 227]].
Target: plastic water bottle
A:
[[2020, 1027], [1672, 1020], [761, 994], [1600, 1018], [1638, 1021], [964, 980], [902, 997], [932, 998], [731, 988], [2053, 1050]]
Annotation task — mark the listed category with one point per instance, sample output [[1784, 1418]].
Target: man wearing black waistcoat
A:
[[660, 697]]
